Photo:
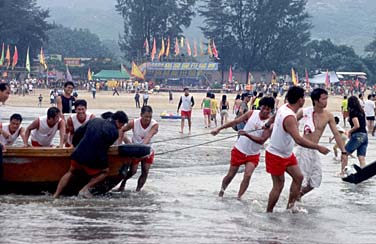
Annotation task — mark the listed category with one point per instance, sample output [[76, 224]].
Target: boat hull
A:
[[38, 170]]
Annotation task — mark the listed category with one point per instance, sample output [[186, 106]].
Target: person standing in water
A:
[[186, 102]]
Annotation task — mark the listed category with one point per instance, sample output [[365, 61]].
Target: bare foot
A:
[[221, 193], [85, 194]]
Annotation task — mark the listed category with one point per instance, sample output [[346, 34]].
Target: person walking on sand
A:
[[224, 109], [315, 119], [205, 106], [247, 148], [279, 156], [186, 102]]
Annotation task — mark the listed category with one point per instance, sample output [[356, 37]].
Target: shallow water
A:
[[179, 202]]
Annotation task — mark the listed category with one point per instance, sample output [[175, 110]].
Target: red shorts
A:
[[35, 144], [149, 159], [186, 114], [238, 158], [206, 111], [87, 170], [276, 165]]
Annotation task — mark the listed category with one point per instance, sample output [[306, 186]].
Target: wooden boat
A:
[[38, 170], [170, 116]]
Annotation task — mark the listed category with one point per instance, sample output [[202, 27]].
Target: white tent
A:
[[320, 78]]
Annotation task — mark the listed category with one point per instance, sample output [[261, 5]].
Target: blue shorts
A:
[[359, 142]]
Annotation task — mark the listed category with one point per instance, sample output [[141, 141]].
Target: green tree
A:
[[23, 23], [146, 19], [264, 34], [75, 43]]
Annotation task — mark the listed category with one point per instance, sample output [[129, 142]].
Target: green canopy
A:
[[111, 75]]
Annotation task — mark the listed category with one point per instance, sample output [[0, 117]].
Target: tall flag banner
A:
[[2, 56], [89, 75], [201, 48], [154, 50], [27, 61], [42, 60], [146, 46], [293, 77], [307, 81], [136, 72], [189, 52], [167, 53], [327, 80], [162, 50], [181, 41], [215, 52], [274, 78], [7, 57], [210, 49], [249, 81], [177, 49], [15, 58], [68, 75], [230, 75], [194, 48]]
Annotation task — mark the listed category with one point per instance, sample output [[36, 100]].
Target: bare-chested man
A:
[[315, 120]]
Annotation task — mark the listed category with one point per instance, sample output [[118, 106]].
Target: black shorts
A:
[[372, 118]]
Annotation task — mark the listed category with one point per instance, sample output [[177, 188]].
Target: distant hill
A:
[[350, 22]]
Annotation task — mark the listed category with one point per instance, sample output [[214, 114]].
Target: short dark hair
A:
[[146, 109], [16, 117], [212, 95], [370, 96], [4, 86], [267, 101], [186, 89], [294, 94], [120, 116], [52, 112], [80, 102], [68, 83], [336, 119], [316, 94]]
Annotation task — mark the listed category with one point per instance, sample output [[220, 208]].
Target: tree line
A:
[[250, 35]]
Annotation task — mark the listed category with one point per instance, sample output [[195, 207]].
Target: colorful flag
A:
[[162, 50], [15, 57], [201, 48], [177, 49], [42, 60], [2, 56], [68, 75], [168, 47], [293, 77], [230, 75], [154, 50], [182, 41], [274, 78], [7, 57], [146, 46], [210, 49], [215, 52], [189, 52], [307, 81], [28, 61], [89, 75], [327, 80], [250, 78], [136, 72], [194, 48]]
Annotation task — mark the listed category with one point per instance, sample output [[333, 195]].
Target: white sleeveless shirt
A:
[[186, 103], [45, 134], [12, 138], [139, 133], [281, 143], [76, 123], [246, 145]]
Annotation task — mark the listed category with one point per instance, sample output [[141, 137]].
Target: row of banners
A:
[[165, 74], [181, 66]]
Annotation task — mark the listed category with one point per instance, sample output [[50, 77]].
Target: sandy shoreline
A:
[[106, 101]]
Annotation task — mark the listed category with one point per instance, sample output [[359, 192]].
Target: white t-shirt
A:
[[369, 108]]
